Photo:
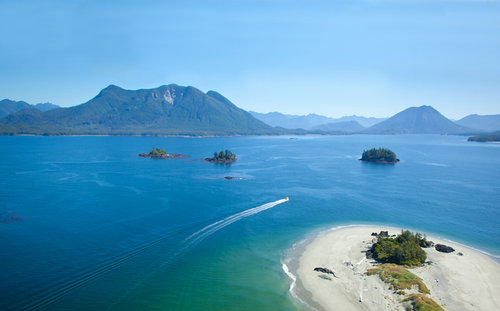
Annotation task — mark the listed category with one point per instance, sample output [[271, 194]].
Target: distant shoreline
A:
[[168, 136], [222, 136], [340, 249]]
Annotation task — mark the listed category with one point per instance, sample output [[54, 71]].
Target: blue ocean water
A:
[[87, 225]]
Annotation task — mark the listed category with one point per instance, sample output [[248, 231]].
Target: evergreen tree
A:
[[405, 249], [381, 154]]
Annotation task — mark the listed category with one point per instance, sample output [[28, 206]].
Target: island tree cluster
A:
[[380, 155], [222, 157], [157, 152], [404, 249]]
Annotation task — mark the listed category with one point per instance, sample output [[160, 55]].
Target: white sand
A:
[[468, 282]]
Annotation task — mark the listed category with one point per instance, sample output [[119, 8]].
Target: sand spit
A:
[[467, 282]]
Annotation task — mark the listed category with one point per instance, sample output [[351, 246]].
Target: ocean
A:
[[85, 224]]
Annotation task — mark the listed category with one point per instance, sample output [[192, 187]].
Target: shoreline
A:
[[456, 282]]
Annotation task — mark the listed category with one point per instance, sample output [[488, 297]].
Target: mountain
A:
[[8, 106], [310, 121], [291, 121], [345, 126], [46, 106], [363, 121], [168, 109], [417, 120], [485, 122]]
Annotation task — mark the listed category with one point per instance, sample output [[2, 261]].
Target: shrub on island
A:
[[399, 277], [381, 155], [157, 152], [404, 249], [421, 302]]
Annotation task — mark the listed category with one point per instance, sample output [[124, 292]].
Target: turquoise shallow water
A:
[[100, 229]]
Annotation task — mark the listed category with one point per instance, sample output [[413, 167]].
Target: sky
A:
[[332, 57]]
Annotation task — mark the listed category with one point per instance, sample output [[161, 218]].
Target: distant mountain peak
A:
[[112, 87], [417, 120], [8, 107], [481, 122], [46, 106]]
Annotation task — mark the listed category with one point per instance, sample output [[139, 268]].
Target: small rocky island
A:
[[381, 155], [158, 153], [223, 157]]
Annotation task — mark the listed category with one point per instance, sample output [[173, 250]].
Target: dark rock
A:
[[460, 254], [374, 233], [369, 254], [444, 249], [426, 244], [324, 277], [8, 217], [325, 270]]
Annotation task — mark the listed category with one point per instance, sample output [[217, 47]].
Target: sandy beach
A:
[[468, 282]]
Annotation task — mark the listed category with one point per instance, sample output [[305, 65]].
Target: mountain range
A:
[[312, 121], [185, 110], [414, 120], [341, 126], [487, 122], [11, 106]]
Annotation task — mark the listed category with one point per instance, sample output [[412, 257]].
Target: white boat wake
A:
[[207, 231]]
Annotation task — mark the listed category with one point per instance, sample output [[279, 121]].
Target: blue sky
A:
[[364, 57]]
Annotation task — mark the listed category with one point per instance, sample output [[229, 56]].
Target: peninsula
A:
[[348, 280], [223, 157], [491, 137], [158, 153], [381, 155]]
